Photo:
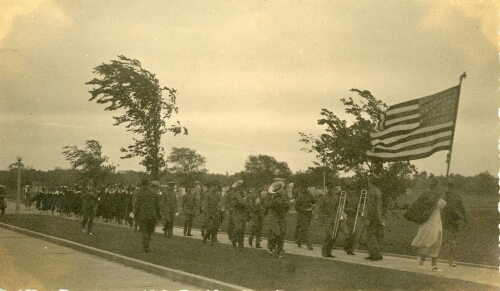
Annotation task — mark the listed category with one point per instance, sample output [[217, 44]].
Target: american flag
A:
[[418, 128]]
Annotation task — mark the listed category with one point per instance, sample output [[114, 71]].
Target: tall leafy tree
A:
[[261, 169], [344, 144], [89, 161], [186, 163], [126, 86]]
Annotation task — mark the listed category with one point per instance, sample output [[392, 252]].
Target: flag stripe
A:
[[417, 133], [399, 120], [402, 114], [396, 129], [394, 111], [404, 104], [414, 154], [417, 141]]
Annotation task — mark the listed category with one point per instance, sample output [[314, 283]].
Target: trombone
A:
[[361, 208], [340, 213]]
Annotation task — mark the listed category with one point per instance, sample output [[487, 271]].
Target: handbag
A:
[[420, 211]]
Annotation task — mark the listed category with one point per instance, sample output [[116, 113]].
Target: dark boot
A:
[[257, 243], [250, 241]]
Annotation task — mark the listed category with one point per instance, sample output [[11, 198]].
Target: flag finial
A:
[[463, 77]]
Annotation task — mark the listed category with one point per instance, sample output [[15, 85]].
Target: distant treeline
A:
[[481, 184]]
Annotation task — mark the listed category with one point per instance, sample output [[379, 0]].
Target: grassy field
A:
[[478, 242], [251, 268]]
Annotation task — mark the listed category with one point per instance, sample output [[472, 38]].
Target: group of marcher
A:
[[252, 208], [114, 201], [144, 206]]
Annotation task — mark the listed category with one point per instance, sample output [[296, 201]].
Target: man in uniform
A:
[[452, 215], [210, 206], [229, 208], [3, 202], [239, 214], [327, 210], [304, 205], [89, 202], [147, 211], [189, 209], [168, 204], [373, 219], [27, 197], [346, 225], [197, 194], [278, 205], [256, 213]]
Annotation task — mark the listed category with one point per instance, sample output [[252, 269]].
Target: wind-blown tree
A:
[[186, 163], [261, 169], [89, 162], [127, 86], [343, 146]]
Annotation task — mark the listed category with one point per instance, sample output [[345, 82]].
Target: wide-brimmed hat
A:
[[155, 183]]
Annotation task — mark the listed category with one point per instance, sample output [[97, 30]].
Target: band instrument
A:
[[361, 208], [340, 213], [275, 187]]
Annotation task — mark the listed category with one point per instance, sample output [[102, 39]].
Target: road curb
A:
[[175, 275]]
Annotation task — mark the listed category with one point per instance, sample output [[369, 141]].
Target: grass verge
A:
[[252, 268]]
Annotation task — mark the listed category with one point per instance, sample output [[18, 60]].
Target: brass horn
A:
[[360, 211], [340, 213], [237, 183], [361, 208], [275, 187]]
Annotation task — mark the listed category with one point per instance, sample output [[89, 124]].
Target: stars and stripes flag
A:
[[417, 128]]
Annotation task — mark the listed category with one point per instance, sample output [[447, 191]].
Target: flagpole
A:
[[448, 156]]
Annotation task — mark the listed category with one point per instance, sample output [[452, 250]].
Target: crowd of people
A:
[[114, 201], [248, 209]]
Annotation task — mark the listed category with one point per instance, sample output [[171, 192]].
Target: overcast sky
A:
[[250, 75]]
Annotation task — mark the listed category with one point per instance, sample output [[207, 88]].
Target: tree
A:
[[186, 163], [126, 85], [343, 146], [314, 176], [89, 161], [14, 166], [261, 169]]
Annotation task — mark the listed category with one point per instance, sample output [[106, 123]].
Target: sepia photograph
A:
[[249, 145]]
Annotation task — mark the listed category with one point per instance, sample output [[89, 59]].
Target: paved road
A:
[[30, 263]]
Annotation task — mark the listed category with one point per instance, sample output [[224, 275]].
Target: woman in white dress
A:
[[430, 233]]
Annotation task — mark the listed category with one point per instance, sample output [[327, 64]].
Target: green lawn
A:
[[478, 243], [251, 268]]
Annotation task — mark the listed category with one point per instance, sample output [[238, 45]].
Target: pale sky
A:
[[250, 75]]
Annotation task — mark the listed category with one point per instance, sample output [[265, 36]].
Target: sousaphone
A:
[[275, 187], [237, 183]]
